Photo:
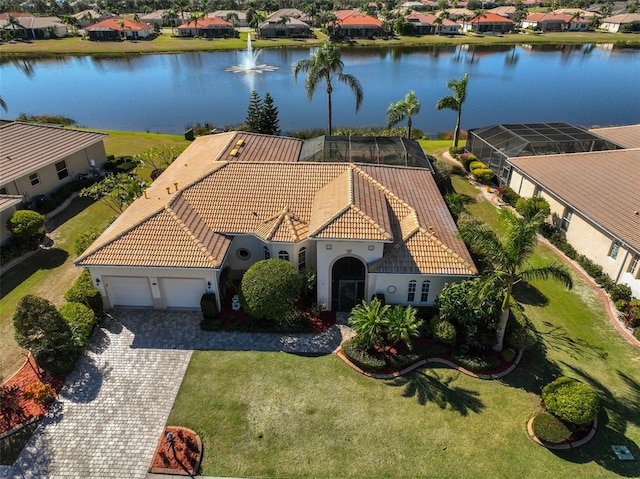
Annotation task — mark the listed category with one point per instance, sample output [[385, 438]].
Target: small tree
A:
[[40, 328], [405, 108], [254, 112], [269, 288], [269, 122], [27, 225], [84, 240], [116, 191], [530, 207], [157, 158]]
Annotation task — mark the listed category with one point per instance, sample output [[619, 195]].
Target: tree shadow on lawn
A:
[[534, 370], [526, 293], [557, 338], [43, 259], [428, 386], [77, 206]]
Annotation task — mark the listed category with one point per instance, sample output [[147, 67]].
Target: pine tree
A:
[[269, 122], [254, 113]]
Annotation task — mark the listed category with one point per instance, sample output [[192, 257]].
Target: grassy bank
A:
[[168, 44]]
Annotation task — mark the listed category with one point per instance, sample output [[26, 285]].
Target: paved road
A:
[[115, 404]]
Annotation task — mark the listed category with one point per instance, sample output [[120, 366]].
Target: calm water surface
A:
[[583, 85]]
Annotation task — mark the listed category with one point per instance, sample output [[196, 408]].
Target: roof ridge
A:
[[341, 210], [183, 225], [383, 188], [371, 221], [432, 236]]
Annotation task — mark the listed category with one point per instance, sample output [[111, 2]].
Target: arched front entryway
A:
[[347, 283]]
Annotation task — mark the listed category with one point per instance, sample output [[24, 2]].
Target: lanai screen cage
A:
[[494, 144], [381, 150]]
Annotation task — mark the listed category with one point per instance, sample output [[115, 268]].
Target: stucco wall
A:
[[395, 287], [5, 234]]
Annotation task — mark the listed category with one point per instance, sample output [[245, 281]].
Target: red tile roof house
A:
[[210, 27], [353, 24], [555, 22], [426, 24], [119, 29], [235, 198], [489, 23]]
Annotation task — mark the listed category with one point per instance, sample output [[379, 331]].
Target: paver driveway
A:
[[115, 404]]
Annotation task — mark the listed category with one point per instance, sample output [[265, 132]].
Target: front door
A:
[[347, 283]]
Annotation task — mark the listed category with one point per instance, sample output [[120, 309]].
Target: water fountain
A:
[[250, 62]]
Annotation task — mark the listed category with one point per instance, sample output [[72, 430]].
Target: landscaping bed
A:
[[181, 456]]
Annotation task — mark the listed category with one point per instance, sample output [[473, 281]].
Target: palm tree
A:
[[369, 321], [194, 18], [403, 324], [325, 65], [509, 256], [454, 102], [14, 25], [406, 108], [3, 105]]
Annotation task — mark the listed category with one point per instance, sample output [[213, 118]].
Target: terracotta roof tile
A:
[[256, 147], [331, 201], [114, 24]]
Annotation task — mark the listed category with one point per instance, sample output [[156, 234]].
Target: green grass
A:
[[166, 43], [121, 143], [280, 415]]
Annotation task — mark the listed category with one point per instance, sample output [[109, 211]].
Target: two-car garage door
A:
[[136, 292]]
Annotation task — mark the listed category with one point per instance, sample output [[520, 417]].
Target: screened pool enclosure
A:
[[494, 144]]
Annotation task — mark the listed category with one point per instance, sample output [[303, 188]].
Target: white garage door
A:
[[126, 291], [182, 292]]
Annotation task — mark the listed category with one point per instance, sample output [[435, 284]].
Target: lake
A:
[[584, 85]]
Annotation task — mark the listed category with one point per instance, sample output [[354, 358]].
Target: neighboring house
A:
[[555, 22], [504, 11], [207, 27], [163, 18], [239, 21], [89, 17], [576, 11], [8, 204], [595, 202], [353, 24], [275, 28], [119, 29], [36, 160], [36, 28], [427, 24], [626, 22], [488, 23], [235, 198], [289, 13], [458, 13]]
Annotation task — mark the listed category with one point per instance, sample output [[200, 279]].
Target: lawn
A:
[[281, 415]]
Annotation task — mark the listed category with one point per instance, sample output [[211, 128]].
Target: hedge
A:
[[483, 175], [354, 352], [83, 291], [81, 319], [475, 165], [475, 363], [549, 428], [571, 400]]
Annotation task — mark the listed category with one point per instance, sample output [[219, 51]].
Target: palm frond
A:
[[354, 84], [550, 271]]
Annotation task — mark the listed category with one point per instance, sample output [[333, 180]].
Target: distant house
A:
[[36, 28], [353, 24], [427, 24], [555, 22], [237, 18], [289, 13], [489, 23], [36, 160], [458, 13], [626, 22], [592, 203], [284, 27], [119, 29], [207, 27], [504, 11], [89, 17], [165, 18]]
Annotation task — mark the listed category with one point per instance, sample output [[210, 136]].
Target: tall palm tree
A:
[[194, 18], [454, 102], [406, 108], [509, 256], [3, 105], [324, 65]]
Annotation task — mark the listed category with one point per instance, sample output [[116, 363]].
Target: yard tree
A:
[[40, 328], [27, 225], [324, 66], [405, 108], [269, 123], [454, 102], [509, 258], [157, 158], [116, 191], [254, 112]]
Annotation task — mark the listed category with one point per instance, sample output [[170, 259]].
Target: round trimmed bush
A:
[[483, 175], [269, 288], [443, 331], [549, 428], [81, 319], [27, 225], [474, 165], [571, 400]]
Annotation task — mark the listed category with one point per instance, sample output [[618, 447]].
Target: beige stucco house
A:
[[594, 199], [236, 198], [35, 160]]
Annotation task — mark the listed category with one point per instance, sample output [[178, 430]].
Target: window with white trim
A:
[[267, 253], [302, 258], [424, 292], [411, 293], [61, 169], [613, 251], [34, 179], [634, 263], [283, 255], [566, 219]]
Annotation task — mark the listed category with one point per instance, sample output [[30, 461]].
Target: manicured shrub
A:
[[508, 355], [27, 225], [39, 392], [443, 331], [483, 175], [631, 315], [356, 352], [621, 305], [81, 319], [40, 328], [209, 306], [456, 150], [475, 165], [510, 196], [620, 292], [571, 400], [269, 288], [466, 160], [529, 207], [475, 363], [83, 291], [549, 428]]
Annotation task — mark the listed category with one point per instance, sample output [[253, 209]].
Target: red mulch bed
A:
[[183, 458], [28, 374]]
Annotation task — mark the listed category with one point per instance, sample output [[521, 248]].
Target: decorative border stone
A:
[[566, 446]]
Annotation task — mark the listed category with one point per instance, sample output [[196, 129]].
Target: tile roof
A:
[[207, 22], [626, 136], [7, 201], [353, 18], [256, 147], [201, 201], [114, 24], [27, 147], [602, 186], [490, 18]]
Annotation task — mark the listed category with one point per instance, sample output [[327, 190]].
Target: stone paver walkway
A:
[[115, 404]]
